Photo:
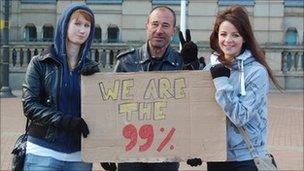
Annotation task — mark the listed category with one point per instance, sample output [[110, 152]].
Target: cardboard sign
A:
[[152, 117]]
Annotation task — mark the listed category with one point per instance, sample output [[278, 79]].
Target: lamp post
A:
[[183, 19], [5, 89]]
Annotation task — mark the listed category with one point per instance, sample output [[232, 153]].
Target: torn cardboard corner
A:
[[152, 117]]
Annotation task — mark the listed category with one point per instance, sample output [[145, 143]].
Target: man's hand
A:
[[189, 49], [108, 166], [194, 162]]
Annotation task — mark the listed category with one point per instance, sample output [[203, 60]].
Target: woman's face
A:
[[78, 30], [230, 41]]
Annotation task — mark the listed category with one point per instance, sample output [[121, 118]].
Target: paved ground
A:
[[285, 135]]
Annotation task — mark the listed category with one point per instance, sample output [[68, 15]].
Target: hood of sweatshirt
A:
[[60, 35], [238, 65], [242, 60]]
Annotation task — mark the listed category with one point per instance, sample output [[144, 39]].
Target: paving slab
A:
[[285, 140]]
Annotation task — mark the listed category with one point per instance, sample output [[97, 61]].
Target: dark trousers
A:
[[247, 165], [166, 166]]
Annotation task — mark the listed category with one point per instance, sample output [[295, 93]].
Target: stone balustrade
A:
[[287, 62], [291, 57], [292, 60], [105, 54]]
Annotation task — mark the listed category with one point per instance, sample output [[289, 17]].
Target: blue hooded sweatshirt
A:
[[243, 98], [69, 97]]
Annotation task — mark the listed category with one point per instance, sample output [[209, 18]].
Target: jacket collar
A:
[[246, 58], [47, 54], [169, 55]]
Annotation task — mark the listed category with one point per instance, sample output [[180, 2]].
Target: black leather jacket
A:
[[139, 59], [41, 90]]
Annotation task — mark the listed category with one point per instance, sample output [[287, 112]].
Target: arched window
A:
[[30, 33], [38, 1], [113, 34], [48, 33], [293, 3], [235, 2], [291, 36], [97, 37], [166, 2], [104, 1]]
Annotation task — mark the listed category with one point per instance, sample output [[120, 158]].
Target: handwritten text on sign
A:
[[151, 117], [155, 92]]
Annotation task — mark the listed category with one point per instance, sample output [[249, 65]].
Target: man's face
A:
[[160, 28]]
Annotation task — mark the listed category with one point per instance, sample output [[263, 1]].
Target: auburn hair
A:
[[238, 16], [87, 15]]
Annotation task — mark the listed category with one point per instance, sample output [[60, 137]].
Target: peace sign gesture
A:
[[189, 49]]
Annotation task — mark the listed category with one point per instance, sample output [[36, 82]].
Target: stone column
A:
[[92, 54], [39, 33], [108, 58]]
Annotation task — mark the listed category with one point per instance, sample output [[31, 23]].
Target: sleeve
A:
[[194, 65], [120, 66], [36, 106], [91, 66], [240, 109]]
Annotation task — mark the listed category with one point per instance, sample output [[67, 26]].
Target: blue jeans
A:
[[166, 166], [41, 163]]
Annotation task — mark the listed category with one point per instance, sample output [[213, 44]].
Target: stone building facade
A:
[[120, 24]]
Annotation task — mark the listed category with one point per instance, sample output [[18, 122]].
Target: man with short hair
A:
[[157, 54]]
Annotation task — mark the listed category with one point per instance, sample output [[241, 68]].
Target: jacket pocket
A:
[[51, 133], [235, 139]]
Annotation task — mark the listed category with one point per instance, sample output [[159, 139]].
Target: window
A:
[[113, 33], [97, 36], [30, 33], [104, 1], [294, 3], [236, 2], [48, 32], [291, 36], [166, 2], [39, 1]]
